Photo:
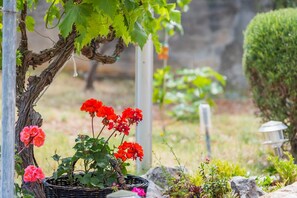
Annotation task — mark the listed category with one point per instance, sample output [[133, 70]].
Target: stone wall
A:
[[213, 36]]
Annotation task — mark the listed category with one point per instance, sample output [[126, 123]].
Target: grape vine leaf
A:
[[30, 23], [121, 29], [175, 16], [138, 35], [75, 13], [107, 6]]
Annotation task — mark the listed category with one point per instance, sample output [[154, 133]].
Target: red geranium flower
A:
[[32, 135], [129, 150], [132, 115], [92, 106], [122, 126], [107, 113], [33, 174]]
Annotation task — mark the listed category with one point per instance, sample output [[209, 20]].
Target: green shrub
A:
[[270, 64]]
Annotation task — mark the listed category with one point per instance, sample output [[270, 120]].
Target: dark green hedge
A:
[[270, 64]]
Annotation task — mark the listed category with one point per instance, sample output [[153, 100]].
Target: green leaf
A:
[[56, 157], [138, 35], [94, 181], [30, 23], [109, 7], [32, 4], [51, 14], [157, 44], [75, 14], [175, 16], [86, 179], [121, 29], [19, 58], [130, 4]]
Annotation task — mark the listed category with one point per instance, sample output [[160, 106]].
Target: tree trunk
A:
[[293, 142], [91, 75], [27, 97]]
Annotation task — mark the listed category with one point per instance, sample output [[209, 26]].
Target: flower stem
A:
[[122, 139], [31, 140], [110, 137], [100, 132], [93, 127]]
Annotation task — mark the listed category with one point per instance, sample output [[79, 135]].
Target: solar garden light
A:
[[274, 136], [123, 194], [205, 124]]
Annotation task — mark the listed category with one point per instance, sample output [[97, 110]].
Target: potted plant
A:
[[103, 167]]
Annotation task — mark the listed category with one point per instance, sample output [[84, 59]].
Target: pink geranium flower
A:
[[32, 135], [33, 174], [139, 191]]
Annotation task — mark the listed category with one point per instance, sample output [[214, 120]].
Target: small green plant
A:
[[224, 169], [213, 176], [214, 185], [228, 170], [184, 188], [285, 168], [211, 180], [268, 183], [186, 89]]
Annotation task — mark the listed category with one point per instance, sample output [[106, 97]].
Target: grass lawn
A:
[[234, 134]]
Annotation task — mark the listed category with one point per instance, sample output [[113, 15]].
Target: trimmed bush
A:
[[270, 64]]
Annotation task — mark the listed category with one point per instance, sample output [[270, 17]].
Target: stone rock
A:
[[286, 192], [245, 187], [160, 175], [154, 191]]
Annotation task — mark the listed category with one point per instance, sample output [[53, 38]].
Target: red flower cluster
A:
[[129, 116], [113, 121], [119, 125], [33, 174], [96, 107], [132, 115], [32, 135], [129, 150], [92, 105], [107, 113]]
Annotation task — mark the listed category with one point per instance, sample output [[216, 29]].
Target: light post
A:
[[274, 136], [205, 124]]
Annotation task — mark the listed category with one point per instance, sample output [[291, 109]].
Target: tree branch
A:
[[23, 48], [47, 54], [90, 51], [22, 25]]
